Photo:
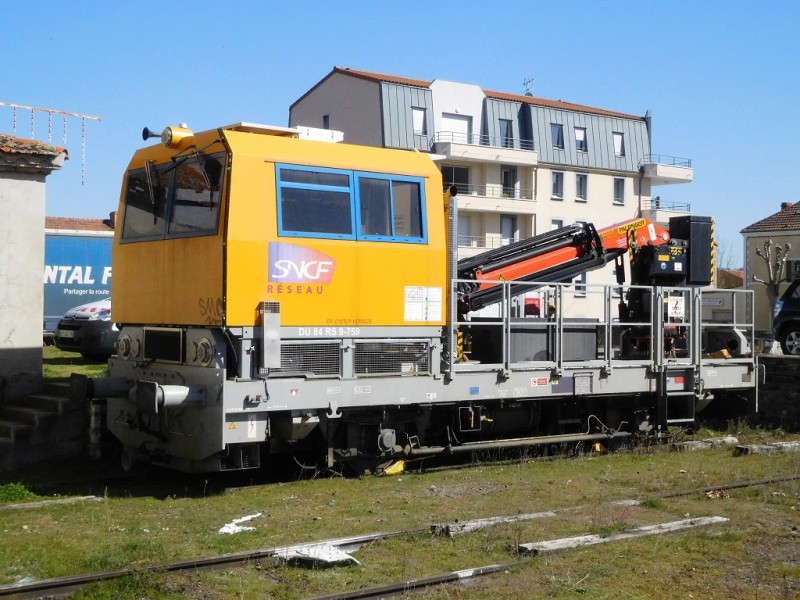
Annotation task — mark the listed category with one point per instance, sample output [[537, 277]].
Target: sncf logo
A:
[[289, 263]]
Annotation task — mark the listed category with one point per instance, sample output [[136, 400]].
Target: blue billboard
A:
[[77, 270]]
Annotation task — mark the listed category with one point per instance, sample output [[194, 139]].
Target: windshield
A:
[[176, 199]]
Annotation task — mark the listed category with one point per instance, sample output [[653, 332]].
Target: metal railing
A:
[[474, 139], [663, 159], [482, 241], [659, 203], [493, 191], [546, 325]]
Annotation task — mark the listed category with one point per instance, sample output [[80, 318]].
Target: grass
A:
[[15, 492], [164, 516], [59, 364], [167, 517]]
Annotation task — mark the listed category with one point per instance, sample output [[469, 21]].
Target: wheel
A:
[[790, 340]]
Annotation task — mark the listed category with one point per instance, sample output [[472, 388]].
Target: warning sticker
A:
[[539, 381], [423, 303], [232, 426]]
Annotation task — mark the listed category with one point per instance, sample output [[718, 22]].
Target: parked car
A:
[[786, 319], [88, 329]]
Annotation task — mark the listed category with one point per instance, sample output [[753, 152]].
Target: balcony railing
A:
[[473, 139], [493, 191], [659, 203], [663, 159], [481, 241]]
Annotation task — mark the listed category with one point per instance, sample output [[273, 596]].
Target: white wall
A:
[[457, 98], [22, 212]]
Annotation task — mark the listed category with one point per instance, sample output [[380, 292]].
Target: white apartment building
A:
[[523, 165]]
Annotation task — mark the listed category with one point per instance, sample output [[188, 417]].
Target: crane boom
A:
[[557, 255]]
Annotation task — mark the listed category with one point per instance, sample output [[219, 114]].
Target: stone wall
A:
[[779, 396]]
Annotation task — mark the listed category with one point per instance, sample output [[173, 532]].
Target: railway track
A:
[[62, 586]]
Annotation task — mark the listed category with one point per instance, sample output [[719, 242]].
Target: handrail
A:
[[474, 139], [492, 191], [663, 159]]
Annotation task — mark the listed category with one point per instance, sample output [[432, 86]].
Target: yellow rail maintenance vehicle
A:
[[278, 293]]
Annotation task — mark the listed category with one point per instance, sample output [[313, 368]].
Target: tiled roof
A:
[[730, 278], [77, 224], [383, 77], [558, 104], [14, 145], [786, 218]]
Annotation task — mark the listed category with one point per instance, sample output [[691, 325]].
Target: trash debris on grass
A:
[[234, 527], [717, 494], [316, 555]]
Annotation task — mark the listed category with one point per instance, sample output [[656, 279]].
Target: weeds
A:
[[15, 492]]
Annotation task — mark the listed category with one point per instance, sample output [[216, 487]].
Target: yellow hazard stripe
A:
[[713, 255]]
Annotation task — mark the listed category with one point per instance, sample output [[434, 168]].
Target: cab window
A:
[[340, 204], [177, 199]]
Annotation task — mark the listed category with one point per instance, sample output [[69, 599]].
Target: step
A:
[[21, 414], [14, 431], [59, 387], [46, 402]]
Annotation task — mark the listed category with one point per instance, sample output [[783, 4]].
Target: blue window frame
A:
[[340, 204]]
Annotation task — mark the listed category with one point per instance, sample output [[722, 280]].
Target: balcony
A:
[[659, 210], [661, 169], [496, 199], [494, 191], [484, 242], [484, 148]]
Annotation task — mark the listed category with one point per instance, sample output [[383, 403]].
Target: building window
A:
[[464, 230], [792, 269], [619, 191], [418, 118], [457, 176], [619, 143], [508, 229], [556, 224], [558, 185], [580, 139], [508, 176], [579, 283], [326, 121], [557, 133], [506, 133], [581, 185]]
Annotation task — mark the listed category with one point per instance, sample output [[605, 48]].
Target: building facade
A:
[[523, 165], [780, 228]]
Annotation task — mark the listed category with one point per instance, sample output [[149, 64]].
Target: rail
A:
[[483, 242], [493, 191], [659, 203], [663, 159], [551, 325], [474, 139]]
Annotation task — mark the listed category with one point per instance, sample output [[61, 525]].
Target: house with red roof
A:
[[780, 228]]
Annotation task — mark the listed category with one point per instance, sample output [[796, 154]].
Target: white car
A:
[[88, 329]]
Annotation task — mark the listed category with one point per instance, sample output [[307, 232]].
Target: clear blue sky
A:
[[721, 78]]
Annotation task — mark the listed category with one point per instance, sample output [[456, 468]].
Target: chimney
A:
[[112, 219], [785, 205]]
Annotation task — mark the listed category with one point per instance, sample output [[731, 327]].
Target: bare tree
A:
[[776, 266], [726, 253]]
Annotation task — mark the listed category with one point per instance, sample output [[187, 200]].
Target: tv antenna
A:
[[59, 113], [528, 83]]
